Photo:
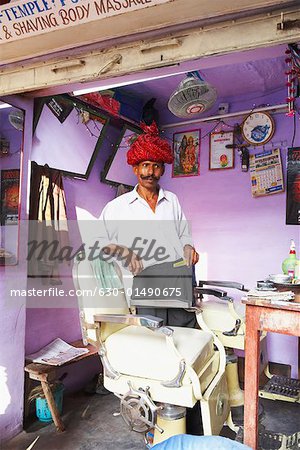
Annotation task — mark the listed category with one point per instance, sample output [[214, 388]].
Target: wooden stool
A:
[[46, 373]]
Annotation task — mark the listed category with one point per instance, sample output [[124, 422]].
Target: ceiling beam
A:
[[203, 63]]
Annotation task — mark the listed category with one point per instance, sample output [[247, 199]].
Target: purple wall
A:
[[35, 327], [242, 238], [9, 233], [245, 239], [15, 138], [12, 311], [43, 322]]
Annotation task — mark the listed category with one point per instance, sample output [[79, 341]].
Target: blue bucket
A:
[[41, 405]]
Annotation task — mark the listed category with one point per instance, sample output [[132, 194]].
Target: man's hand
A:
[[130, 260], [190, 254]]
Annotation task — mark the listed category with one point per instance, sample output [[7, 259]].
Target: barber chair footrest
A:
[[268, 440], [281, 388], [278, 441]]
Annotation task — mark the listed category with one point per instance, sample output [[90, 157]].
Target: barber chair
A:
[[156, 371], [226, 319]]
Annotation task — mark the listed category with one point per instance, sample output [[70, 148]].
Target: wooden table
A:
[[262, 315], [46, 373]]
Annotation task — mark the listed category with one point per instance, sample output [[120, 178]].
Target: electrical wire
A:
[[294, 132], [170, 139]]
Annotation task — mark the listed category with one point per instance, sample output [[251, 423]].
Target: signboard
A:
[[266, 173], [23, 19]]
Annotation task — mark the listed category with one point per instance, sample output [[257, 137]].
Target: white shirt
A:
[[157, 237]]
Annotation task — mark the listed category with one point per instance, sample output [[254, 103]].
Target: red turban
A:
[[149, 147]]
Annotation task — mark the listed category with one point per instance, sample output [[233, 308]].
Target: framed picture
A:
[[10, 181], [293, 187], [221, 157], [116, 170], [186, 148]]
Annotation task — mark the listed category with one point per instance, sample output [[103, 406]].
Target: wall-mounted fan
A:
[[16, 119], [192, 96]]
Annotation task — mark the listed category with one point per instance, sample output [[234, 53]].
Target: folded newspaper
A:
[[272, 295], [56, 353]]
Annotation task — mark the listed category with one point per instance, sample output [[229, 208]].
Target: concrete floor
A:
[[90, 424]]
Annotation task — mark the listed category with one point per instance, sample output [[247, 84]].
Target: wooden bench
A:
[[46, 373]]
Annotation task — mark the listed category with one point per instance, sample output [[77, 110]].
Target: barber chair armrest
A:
[[200, 291], [160, 303], [151, 322], [227, 284]]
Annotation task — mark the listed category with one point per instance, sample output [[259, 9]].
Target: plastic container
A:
[[289, 264], [41, 405]]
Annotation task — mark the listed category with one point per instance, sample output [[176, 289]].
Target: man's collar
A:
[[133, 195]]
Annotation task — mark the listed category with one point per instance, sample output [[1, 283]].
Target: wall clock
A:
[[258, 128]]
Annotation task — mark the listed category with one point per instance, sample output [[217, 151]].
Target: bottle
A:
[[289, 264]]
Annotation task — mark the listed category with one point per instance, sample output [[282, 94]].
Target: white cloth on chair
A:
[[106, 275], [140, 352]]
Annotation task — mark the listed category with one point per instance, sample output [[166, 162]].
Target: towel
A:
[[106, 275], [271, 295]]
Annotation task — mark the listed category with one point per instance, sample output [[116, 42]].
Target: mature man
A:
[[147, 227]]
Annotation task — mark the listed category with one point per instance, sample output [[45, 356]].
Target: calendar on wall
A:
[[266, 173]]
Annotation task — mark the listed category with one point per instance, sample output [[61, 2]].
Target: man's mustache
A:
[[149, 177]]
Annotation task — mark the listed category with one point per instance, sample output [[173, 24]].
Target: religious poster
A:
[[10, 180], [293, 187], [186, 149], [220, 156], [266, 173]]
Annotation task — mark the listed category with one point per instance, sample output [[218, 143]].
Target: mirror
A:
[[11, 144], [78, 130], [116, 171]]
